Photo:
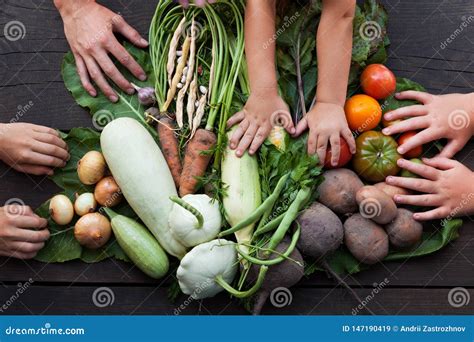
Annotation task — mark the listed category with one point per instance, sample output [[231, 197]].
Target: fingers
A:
[[409, 111], [451, 148], [127, 60], [406, 125], [322, 145], [112, 72], [349, 137], [20, 255], [84, 75], [424, 171], [301, 127], [99, 79], [238, 133], [46, 130], [435, 214], [235, 119], [130, 33], [51, 139], [34, 236], [25, 247], [258, 140], [419, 139], [35, 158], [246, 140], [34, 169], [421, 185], [419, 200], [51, 150], [440, 163], [29, 221], [414, 95], [335, 141]]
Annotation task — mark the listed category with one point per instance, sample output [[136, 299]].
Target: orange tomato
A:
[[363, 113], [414, 152]]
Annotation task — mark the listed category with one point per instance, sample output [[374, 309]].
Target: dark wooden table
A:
[[30, 74]]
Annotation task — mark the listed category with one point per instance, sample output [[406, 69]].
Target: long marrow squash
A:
[[139, 245], [141, 171]]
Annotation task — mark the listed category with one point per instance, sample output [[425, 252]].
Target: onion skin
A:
[[91, 168], [85, 204], [92, 230], [61, 210], [107, 192]]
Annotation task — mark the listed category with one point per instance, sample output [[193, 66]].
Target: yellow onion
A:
[[85, 203], [61, 210], [92, 230], [107, 192], [91, 168]]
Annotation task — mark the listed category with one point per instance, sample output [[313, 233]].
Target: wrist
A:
[[264, 91], [68, 7]]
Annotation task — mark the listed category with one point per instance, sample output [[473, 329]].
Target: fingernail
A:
[[142, 77], [239, 153], [401, 150], [388, 116], [386, 131], [416, 216], [401, 162], [113, 98], [143, 41], [50, 173], [232, 146], [397, 198], [130, 91], [251, 151], [397, 94], [389, 179], [92, 93], [292, 131]]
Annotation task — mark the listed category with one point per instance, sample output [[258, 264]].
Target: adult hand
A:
[[89, 29], [31, 148], [22, 232]]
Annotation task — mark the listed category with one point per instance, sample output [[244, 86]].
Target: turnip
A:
[[200, 268], [194, 219]]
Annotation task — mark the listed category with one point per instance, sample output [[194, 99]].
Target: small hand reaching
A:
[[327, 124], [255, 122], [447, 185], [437, 117]]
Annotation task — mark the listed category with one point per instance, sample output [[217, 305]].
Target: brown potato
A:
[[404, 231], [337, 192], [321, 231], [366, 240], [376, 205], [391, 190]]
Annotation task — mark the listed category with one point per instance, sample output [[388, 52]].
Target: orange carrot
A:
[[196, 160], [169, 146]]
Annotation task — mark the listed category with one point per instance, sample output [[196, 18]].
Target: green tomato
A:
[[409, 174], [376, 156]]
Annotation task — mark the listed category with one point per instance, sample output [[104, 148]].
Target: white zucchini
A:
[[141, 171]]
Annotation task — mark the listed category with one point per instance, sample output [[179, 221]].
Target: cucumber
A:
[[141, 171], [139, 245]]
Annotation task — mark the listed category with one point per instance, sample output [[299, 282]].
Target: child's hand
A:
[[443, 116], [446, 184], [32, 149], [22, 232], [199, 3], [89, 29], [256, 120], [327, 123]]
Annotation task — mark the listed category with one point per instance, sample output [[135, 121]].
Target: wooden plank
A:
[[145, 300]]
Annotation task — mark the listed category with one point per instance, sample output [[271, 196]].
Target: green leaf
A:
[[64, 247], [102, 110], [403, 84]]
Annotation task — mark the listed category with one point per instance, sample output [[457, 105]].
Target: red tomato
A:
[[413, 153], [344, 157], [378, 81]]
